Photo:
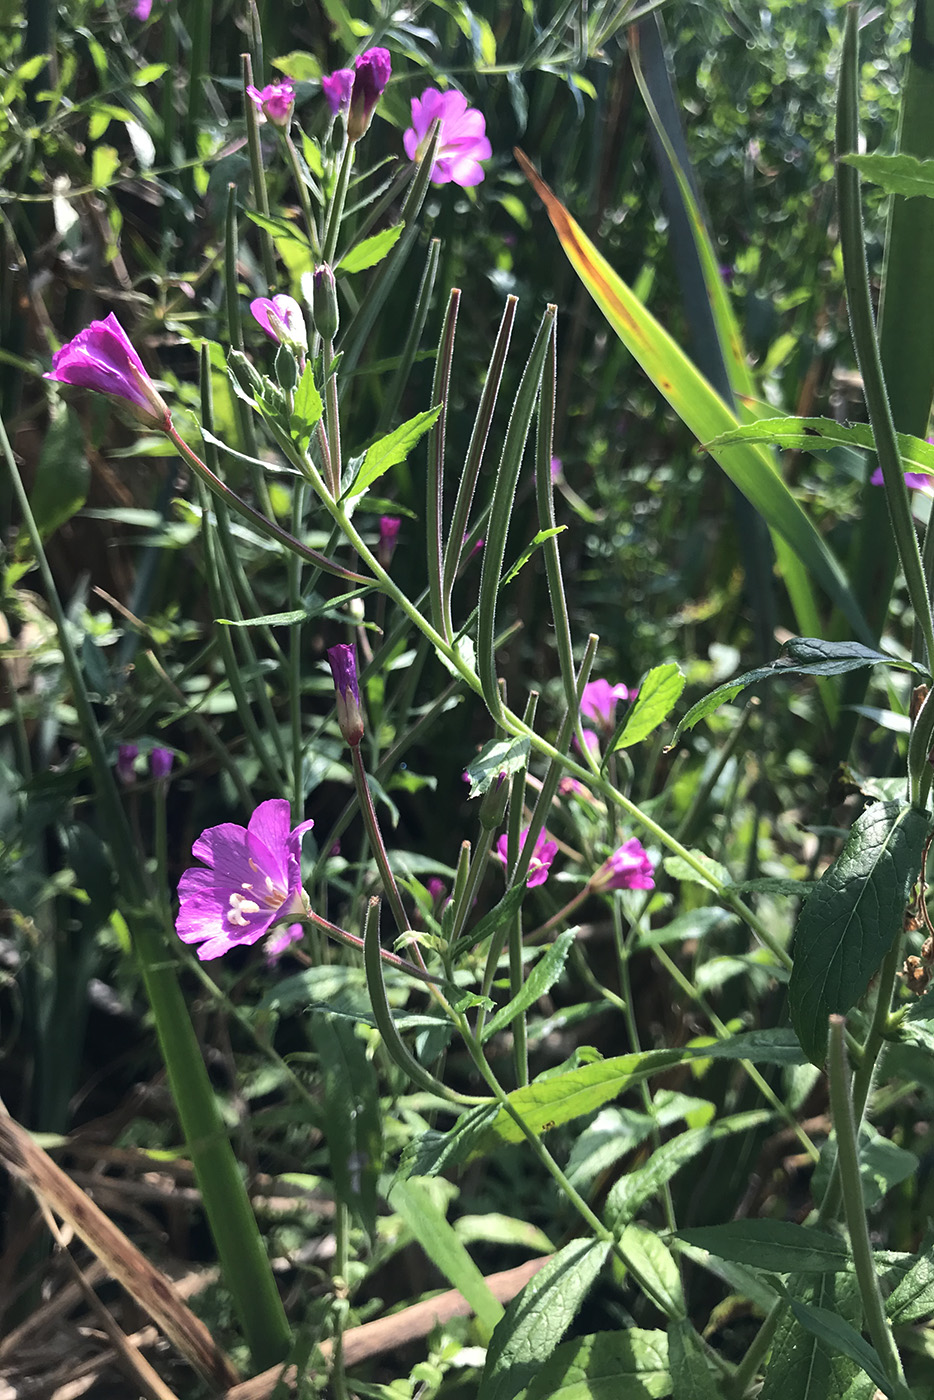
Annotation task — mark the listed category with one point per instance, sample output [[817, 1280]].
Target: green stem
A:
[[336, 211], [434, 514], [257, 173], [845, 1123], [377, 845], [311, 225], [233, 1225], [862, 326]]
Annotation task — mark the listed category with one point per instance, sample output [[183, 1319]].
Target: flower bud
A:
[[372, 72], [160, 763], [246, 374], [493, 806], [324, 302], [343, 664]]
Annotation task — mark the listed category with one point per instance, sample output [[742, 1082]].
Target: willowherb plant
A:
[[554, 781]]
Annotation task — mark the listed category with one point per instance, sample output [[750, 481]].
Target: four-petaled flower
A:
[[337, 88], [101, 358], [462, 140], [343, 663], [542, 856], [274, 102], [372, 71], [628, 868], [282, 320], [254, 881]]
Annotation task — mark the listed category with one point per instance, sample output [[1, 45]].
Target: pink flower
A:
[[282, 320], [372, 71], [126, 763], [557, 468], [102, 358], [915, 481], [570, 787], [388, 534], [337, 88], [462, 141], [544, 853], [628, 868], [254, 881], [343, 663], [274, 102], [141, 10], [160, 763], [436, 888], [598, 702]]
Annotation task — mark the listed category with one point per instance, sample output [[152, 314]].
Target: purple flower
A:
[[337, 88], [462, 141], [254, 881], [437, 889], [126, 763], [282, 320], [628, 868], [915, 481], [544, 853], [274, 102], [160, 763], [372, 71], [141, 10], [343, 663], [598, 702], [388, 534], [557, 468], [101, 357]]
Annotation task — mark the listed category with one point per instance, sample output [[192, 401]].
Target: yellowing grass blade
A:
[[699, 406]]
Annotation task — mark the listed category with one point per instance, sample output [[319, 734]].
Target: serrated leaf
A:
[[307, 407], [630, 1363], [913, 1298], [649, 1256], [851, 920], [691, 1377], [820, 434], [899, 174], [803, 656], [507, 756], [537, 1318], [371, 250], [279, 228], [799, 1365], [352, 1121], [432, 1152], [658, 695], [391, 449], [838, 1336], [541, 979], [778, 1246], [437, 1238], [680, 869], [527, 553]]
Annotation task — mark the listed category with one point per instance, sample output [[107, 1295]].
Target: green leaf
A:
[[680, 869], [838, 1336], [631, 1364], [882, 1165], [390, 450], [307, 407], [631, 1191], [415, 1204], [658, 695], [852, 919], [279, 228], [695, 924], [537, 1318], [354, 1139], [541, 979], [776, 1245], [901, 174], [432, 1152], [507, 756], [820, 434], [651, 1259], [527, 553], [371, 250], [800, 1367], [913, 1298], [699, 406], [489, 924], [691, 1376], [301, 66], [105, 160], [60, 486], [804, 656]]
